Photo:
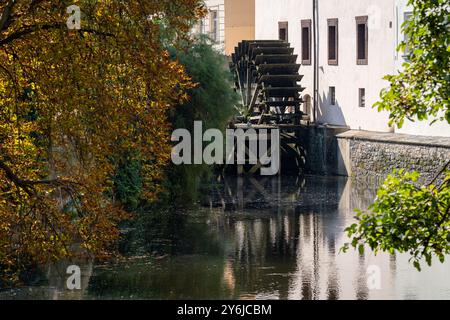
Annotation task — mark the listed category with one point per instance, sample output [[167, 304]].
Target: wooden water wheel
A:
[[267, 77]]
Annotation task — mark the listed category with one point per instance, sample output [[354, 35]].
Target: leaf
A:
[[417, 266], [361, 249]]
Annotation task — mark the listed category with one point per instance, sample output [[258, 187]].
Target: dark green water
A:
[[274, 238]]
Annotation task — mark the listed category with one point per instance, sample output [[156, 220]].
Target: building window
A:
[[201, 26], [283, 31], [333, 96], [214, 25], [362, 37], [306, 42], [307, 105], [362, 97], [333, 42], [407, 16]]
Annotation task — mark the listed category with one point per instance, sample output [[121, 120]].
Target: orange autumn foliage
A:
[[69, 101]]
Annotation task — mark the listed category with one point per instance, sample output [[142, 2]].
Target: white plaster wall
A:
[[425, 128], [440, 128], [347, 77]]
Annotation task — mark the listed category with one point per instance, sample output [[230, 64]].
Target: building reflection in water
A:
[[272, 238], [286, 246]]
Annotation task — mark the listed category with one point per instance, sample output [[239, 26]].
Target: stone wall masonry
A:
[[364, 154]]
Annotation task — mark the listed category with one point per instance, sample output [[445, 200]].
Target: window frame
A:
[[334, 22], [283, 25], [214, 31], [332, 90], [406, 16], [362, 20], [306, 24], [201, 26], [361, 94]]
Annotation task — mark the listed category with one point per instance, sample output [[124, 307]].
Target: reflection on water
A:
[[274, 238]]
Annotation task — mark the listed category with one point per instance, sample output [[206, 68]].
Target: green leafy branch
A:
[[406, 218]]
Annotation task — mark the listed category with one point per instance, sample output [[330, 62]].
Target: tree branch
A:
[[440, 172], [36, 28], [427, 241], [28, 184], [6, 14], [27, 31], [14, 178]]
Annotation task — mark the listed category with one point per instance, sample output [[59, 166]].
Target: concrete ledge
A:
[[396, 138]]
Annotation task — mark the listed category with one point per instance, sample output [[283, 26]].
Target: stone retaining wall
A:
[[371, 154]]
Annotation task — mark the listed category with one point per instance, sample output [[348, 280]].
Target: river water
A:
[[273, 238]]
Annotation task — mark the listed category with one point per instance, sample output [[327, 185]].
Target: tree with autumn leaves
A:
[[70, 100]]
